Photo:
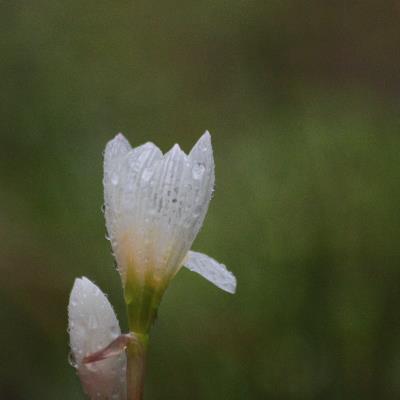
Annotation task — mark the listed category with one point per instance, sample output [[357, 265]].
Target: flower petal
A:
[[201, 157], [180, 199], [92, 326], [210, 269], [122, 195], [114, 154], [166, 205], [115, 150]]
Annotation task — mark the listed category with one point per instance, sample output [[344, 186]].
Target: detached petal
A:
[[212, 270], [92, 326]]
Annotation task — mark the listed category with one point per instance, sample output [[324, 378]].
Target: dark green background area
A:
[[302, 101]]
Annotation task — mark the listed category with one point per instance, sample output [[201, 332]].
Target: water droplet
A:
[[71, 360], [147, 174], [198, 170], [114, 179], [114, 332], [197, 211]]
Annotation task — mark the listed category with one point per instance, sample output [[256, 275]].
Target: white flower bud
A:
[[93, 326]]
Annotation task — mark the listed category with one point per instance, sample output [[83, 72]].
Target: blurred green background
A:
[[302, 101]]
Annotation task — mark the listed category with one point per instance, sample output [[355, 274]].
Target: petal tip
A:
[[176, 147], [120, 139], [203, 147], [82, 283], [78, 283], [175, 151], [211, 270], [231, 288], [115, 148]]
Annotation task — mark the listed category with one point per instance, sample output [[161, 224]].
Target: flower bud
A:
[[92, 326]]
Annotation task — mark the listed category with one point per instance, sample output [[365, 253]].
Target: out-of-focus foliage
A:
[[302, 101]]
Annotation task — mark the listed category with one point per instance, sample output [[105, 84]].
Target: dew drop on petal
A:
[[71, 360], [92, 323], [197, 211], [114, 179], [198, 170], [147, 174], [114, 332]]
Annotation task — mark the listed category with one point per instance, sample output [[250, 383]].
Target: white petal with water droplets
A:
[[123, 181], [202, 160], [92, 326], [212, 270]]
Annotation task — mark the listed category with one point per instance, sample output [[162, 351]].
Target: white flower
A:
[[155, 205], [92, 325]]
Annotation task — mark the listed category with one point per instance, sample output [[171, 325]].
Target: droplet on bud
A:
[[71, 360]]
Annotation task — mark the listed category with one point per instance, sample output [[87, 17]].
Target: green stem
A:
[[142, 300], [136, 355]]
